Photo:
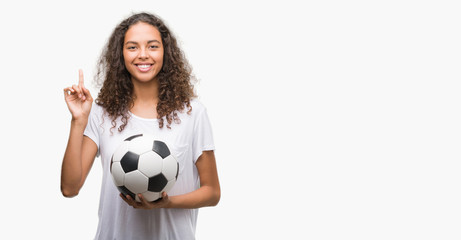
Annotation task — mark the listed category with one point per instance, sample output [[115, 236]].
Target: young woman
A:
[[146, 88]]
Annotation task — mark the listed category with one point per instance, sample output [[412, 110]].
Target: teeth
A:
[[143, 66]]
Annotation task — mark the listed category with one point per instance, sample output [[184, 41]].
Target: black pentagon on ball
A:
[[161, 149], [125, 192], [111, 162], [133, 137], [129, 162], [177, 170], [157, 183]]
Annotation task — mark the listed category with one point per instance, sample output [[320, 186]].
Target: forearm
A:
[[203, 197], [71, 172]]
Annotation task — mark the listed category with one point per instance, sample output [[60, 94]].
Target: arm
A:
[[80, 151], [78, 159], [208, 194]]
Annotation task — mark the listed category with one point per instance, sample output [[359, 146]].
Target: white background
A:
[[332, 119]]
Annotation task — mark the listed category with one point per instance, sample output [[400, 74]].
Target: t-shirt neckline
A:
[[141, 118]]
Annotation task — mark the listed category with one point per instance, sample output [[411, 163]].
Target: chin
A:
[[143, 79]]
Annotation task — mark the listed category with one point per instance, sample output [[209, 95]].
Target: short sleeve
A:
[[203, 135], [94, 125]]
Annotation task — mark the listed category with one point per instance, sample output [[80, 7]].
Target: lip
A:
[[144, 67]]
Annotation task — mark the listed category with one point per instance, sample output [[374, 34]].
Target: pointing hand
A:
[[78, 99]]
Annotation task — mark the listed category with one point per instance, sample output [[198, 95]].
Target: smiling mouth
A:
[[144, 67]]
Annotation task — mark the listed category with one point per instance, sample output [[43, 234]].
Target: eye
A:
[[153, 46], [131, 47]]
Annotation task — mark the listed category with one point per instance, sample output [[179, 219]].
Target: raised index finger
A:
[[80, 78]]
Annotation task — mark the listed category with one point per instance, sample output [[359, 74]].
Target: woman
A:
[[146, 89]]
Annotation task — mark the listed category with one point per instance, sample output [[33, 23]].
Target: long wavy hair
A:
[[175, 80]]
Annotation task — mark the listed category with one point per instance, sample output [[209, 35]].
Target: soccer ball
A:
[[142, 164]]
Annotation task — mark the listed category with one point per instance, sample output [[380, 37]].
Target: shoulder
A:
[[97, 112], [97, 109], [197, 106], [196, 111]]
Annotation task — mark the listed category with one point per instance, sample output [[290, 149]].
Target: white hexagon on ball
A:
[[117, 174], [169, 185], [150, 196], [140, 145], [170, 167], [136, 182], [150, 163]]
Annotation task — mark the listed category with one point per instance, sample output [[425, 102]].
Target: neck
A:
[[146, 92], [145, 99]]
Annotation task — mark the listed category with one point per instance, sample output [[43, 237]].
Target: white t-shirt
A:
[[118, 220]]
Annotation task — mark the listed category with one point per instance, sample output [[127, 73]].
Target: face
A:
[[143, 52]]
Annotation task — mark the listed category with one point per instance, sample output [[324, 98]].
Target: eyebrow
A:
[[150, 41]]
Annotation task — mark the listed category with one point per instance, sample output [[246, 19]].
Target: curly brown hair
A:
[[175, 80]]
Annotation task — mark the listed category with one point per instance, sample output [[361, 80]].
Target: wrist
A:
[[171, 203], [79, 122]]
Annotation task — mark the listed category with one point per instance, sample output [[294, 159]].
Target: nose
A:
[[143, 53]]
